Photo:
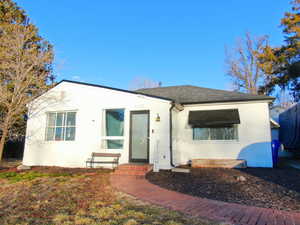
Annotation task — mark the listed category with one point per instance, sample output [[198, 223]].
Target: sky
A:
[[175, 42]]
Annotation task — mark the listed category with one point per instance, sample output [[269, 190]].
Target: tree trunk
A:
[[2, 141]]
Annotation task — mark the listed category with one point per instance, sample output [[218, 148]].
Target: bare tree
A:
[[143, 82], [243, 65], [25, 69], [284, 99]]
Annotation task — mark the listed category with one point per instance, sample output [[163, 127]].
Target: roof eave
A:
[[274, 123], [115, 89], [269, 99]]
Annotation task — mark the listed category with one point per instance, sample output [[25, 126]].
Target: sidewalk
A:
[[203, 208]]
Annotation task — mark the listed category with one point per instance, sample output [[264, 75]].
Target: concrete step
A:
[[219, 163], [133, 169], [142, 167]]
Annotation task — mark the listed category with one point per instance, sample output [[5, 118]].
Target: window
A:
[[61, 126], [216, 133], [114, 128]]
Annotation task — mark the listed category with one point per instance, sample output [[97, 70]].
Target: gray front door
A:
[[139, 136]]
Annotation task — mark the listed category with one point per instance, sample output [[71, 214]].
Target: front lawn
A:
[[52, 195], [262, 187]]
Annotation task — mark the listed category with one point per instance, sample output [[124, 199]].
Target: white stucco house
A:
[[166, 125]]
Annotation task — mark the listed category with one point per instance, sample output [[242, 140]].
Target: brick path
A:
[[203, 208]]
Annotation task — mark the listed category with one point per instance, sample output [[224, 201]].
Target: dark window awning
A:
[[214, 118]]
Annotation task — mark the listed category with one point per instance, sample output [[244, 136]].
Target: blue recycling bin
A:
[[275, 149]]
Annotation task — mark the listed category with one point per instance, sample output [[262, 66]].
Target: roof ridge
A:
[[184, 85], [213, 89], [191, 94]]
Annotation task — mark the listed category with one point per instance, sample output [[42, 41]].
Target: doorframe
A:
[[148, 136]]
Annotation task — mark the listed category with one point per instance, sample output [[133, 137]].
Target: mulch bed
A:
[[263, 187]]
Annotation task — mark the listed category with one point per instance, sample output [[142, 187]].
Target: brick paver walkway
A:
[[204, 208]]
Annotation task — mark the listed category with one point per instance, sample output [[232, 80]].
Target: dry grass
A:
[[9, 163], [80, 198]]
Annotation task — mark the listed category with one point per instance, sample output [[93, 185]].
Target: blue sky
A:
[[172, 41]]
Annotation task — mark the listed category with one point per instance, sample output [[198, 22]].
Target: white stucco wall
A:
[[254, 136], [89, 102]]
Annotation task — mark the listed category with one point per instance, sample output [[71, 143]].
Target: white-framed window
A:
[[113, 129], [61, 126], [216, 133]]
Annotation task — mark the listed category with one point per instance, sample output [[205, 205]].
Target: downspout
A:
[[171, 134]]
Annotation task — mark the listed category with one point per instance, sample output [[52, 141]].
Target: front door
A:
[[139, 136]]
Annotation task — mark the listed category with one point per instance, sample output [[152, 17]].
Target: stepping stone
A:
[[180, 170]]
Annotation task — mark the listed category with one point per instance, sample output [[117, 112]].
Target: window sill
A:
[[112, 138]]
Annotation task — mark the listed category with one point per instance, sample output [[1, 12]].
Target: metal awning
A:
[[214, 118]]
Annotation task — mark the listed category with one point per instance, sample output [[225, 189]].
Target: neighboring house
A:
[[274, 129], [167, 125], [289, 134], [275, 111], [274, 118]]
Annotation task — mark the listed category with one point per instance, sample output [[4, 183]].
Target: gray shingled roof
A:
[[188, 94]]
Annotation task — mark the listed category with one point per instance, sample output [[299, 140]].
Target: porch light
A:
[[157, 118]]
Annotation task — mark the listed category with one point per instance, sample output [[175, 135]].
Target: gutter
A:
[[171, 134]]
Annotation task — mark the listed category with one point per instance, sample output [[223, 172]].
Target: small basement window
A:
[[61, 126]]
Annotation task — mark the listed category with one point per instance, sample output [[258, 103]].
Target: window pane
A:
[[71, 118], [115, 122], [230, 133], [223, 133], [114, 144], [70, 133], [61, 126], [59, 134], [51, 119], [59, 119], [49, 134], [216, 133], [200, 133]]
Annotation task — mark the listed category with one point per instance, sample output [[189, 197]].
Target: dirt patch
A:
[[54, 169], [261, 187], [9, 163]]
